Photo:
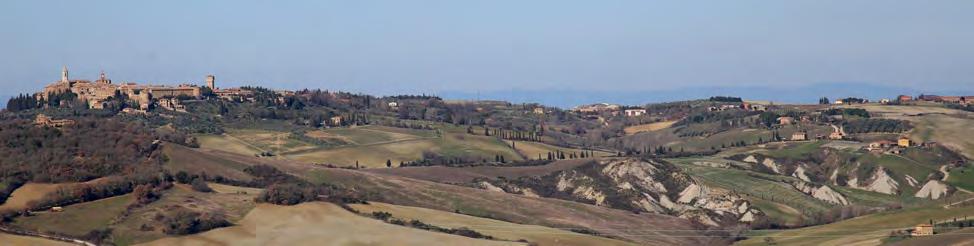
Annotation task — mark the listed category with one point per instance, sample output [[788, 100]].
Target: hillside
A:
[[314, 223]]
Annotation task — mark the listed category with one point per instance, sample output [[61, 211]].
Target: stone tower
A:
[[64, 74], [103, 79], [211, 82]]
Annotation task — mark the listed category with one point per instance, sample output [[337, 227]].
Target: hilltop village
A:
[[97, 93]]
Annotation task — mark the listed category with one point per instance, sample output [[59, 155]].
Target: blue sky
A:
[[386, 47]]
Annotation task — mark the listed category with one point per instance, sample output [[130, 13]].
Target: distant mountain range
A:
[[802, 94]]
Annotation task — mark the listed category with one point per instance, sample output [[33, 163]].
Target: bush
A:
[[144, 194], [198, 184], [182, 221], [288, 194]]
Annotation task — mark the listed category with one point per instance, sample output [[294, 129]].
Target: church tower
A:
[[64, 74], [211, 82]]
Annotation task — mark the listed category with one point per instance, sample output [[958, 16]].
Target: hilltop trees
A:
[[22, 102], [824, 100]]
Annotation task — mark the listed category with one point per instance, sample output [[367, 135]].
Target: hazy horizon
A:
[[497, 47]]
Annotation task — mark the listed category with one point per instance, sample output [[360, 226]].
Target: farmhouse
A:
[[597, 108], [635, 112], [922, 230], [785, 120], [879, 145], [538, 110], [799, 136], [904, 142], [43, 120]]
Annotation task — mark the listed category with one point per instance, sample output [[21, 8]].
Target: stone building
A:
[[43, 120], [98, 92]]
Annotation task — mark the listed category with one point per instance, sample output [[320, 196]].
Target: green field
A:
[[77, 219], [962, 178], [180, 158], [865, 230], [757, 185], [376, 154], [370, 134], [234, 202]]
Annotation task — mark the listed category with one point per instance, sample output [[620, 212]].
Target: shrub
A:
[[182, 221], [199, 185]]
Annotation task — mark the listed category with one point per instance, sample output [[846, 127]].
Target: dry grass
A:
[[228, 189], [498, 229], [225, 143], [649, 127], [949, 127], [368, 156], [467, 174], [29, 192], [226, 200], [532, 150], [317, 223], [10, 239], [195, 161], [865, 230], [78, 219]]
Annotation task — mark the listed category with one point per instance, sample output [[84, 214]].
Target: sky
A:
[[469, 47]]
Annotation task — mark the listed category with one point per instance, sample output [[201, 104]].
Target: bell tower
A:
[[64, 74], [211, 82]]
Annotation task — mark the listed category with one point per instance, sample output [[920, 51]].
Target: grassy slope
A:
[[498, 229], [375, 155], [78, 219], [10, 239], [868, 229], [181, 158], [466, 174], [482, 203], [28, 192], [226, 200], [315, 223], [649, 127], [757, 185], [947, 126], [532, 150]]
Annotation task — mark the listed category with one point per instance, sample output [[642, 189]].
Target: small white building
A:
[[635, 112]]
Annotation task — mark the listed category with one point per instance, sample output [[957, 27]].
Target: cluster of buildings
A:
[[739, 106], [613, 109], [935, 98], [97, 93], [44, 120]]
